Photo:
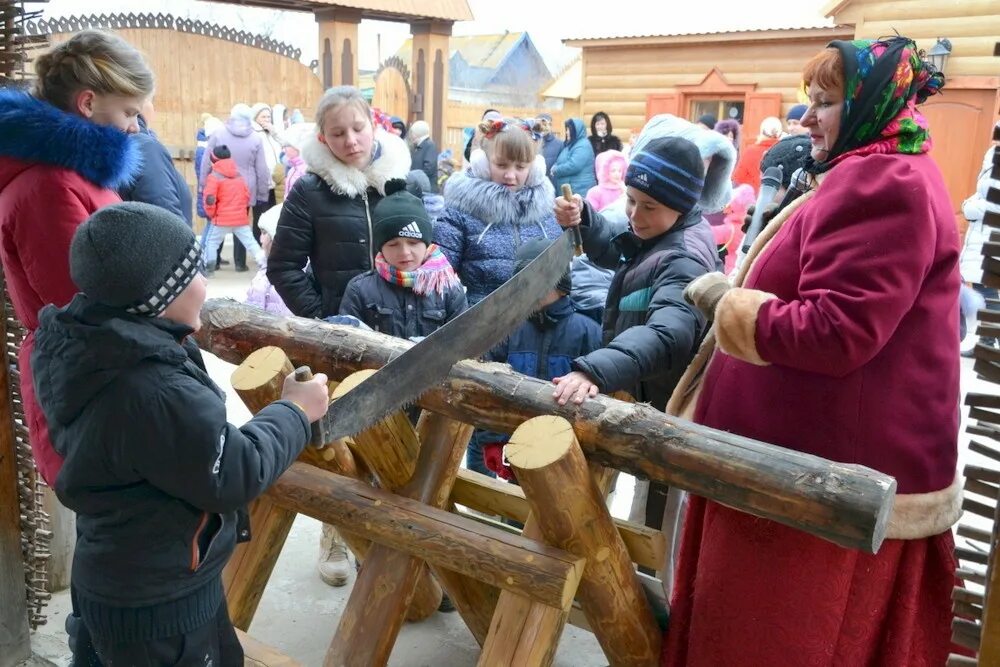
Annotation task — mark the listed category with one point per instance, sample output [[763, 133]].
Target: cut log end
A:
[[260, 368], [352, 381], [539, 442]]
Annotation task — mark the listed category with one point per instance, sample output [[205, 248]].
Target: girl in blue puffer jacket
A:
[[500, 202]]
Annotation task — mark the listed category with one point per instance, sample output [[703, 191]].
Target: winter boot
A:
[[334, 568]]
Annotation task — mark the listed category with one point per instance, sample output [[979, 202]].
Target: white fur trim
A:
[[394, 162], [493, 203], [919, 515], [713, 146]]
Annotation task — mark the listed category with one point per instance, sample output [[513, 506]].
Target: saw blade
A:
[[470, 335]]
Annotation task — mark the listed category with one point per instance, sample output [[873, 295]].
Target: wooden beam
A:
[[15, 643], [258, 654], [646, 546], [845, 504], [441, 538]]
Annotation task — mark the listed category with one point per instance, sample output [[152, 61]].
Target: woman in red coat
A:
[[64, 150], [842, 342], [747, 170]]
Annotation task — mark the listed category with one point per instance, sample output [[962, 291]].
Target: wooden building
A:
[[499, 69], [753, 74]]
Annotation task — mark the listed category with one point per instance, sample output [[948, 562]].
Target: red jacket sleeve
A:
[[867, 247], [211, 202]]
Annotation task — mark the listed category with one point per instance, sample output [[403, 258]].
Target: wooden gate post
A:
[[572, 515]]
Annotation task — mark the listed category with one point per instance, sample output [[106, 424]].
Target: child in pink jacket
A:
[[610, 166], [261, 292]]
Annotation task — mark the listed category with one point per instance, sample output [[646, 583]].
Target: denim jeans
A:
[[242, 233]]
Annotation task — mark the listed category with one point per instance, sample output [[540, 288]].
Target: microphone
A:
[[769, 185], [798, 186]]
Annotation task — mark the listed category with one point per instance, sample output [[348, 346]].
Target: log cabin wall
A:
[[197, 73], [620, 74]]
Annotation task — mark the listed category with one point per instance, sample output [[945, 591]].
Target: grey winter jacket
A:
[[424, 156], [248, 154]]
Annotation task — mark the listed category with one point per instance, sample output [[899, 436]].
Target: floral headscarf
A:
[[884, 81]]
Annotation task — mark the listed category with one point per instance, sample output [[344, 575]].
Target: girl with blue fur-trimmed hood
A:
[[501, 202], [65, 150]]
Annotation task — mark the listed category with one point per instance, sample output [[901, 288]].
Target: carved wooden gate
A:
[[392, 89]]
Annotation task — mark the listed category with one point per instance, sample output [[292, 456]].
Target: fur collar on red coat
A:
[[32, 130]]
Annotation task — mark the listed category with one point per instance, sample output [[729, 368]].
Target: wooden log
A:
[[969, 574], [15, 641], [571, 514], [966, 634], [975, 534], [967, 611], [965, 595], [987, 475], [984, 489], [258, 654], [646, 546], [524, 632], [846, 504], [258, 382], [955, 660], [972, 555], [386, 585], [441, 538]]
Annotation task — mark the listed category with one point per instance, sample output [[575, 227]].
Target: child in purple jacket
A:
[[261, 293]]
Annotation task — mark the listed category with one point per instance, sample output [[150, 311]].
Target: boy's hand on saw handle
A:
[[568, 210], [310, 392]]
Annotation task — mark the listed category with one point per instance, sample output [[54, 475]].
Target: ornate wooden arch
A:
[[393, 94], [163, 22]]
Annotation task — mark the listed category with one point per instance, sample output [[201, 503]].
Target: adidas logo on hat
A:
[[411, 231], [642, 178]]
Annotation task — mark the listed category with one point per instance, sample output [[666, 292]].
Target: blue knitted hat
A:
[[670, 170]]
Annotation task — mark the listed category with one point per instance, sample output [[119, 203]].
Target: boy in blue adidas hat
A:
[[650, 333]]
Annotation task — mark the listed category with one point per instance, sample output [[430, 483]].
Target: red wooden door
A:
[[657, 103], [758, 106], [961, 123]]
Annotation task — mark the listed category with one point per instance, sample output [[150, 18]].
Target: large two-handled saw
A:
[[470, 335]]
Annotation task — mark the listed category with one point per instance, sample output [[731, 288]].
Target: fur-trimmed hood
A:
[[473, 193], [713, 147], [392, 160], [32, 130]]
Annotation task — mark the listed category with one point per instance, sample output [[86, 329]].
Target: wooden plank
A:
[[441, 538], [972, 556], [989, 646], [955, 660], [258, 654], [984, 415], [646, 546], [970, 574], [984, 489], [978, 508], [966, 634], [988, 475], [965, 595], [975, 534], [975, 399], [985, 430], [984, 449]]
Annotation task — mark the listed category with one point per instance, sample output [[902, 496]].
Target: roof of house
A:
[[486, 51], [391, 10], [568, 84], [749, 35]]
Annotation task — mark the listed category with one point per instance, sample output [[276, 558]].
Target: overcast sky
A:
[[548, 22]]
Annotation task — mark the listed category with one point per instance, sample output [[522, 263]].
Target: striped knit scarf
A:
[[434, 275]]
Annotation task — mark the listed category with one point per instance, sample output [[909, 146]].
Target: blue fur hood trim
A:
[[494, 203], [35, 131]]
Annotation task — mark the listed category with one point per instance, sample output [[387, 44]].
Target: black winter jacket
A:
[[152, 469], [399, 311], [326, 222], [650, 332]]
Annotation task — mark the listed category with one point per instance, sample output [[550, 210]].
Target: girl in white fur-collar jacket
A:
[[500, 202], [326, 219]]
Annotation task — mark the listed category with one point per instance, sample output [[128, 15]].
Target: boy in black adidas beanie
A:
[[156, 475], [413, 289]]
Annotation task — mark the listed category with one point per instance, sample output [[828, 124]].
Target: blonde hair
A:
[[336, 97], [91, 60], [512, 143], [770, 128]]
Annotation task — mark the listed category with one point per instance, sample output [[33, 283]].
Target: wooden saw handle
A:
[[567, 193]]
